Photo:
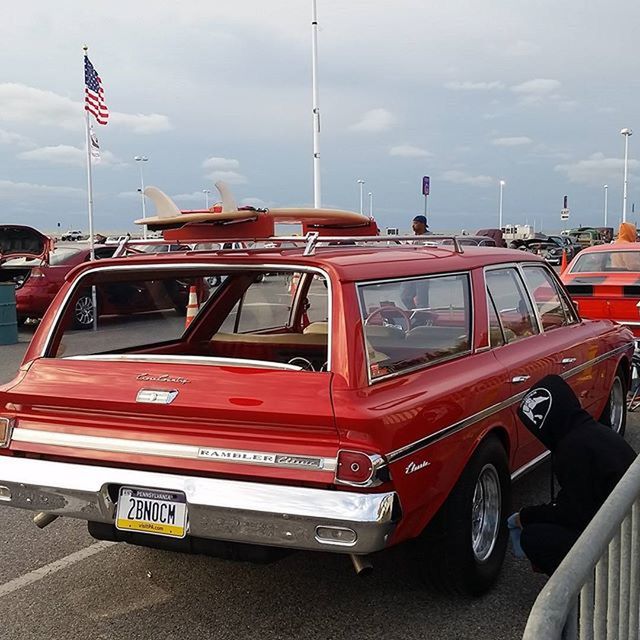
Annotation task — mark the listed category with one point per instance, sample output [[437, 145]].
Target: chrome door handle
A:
[[519, 379], [568, 360]]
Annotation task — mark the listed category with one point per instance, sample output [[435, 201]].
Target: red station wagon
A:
[[342, 397]]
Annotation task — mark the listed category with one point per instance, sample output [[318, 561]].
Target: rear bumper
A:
[[247, 512]]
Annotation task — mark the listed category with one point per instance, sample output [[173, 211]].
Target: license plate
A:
[[154, 511]]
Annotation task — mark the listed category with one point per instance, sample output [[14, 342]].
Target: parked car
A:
[[495, 234], [73, 235], [569, 244], [585, 236], [372, 404], [603, 282], [544, 247], [472, 241], [38, 275]]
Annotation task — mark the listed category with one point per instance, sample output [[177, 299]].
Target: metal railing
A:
[[595, 592]]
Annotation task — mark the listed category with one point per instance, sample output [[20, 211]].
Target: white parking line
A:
[[53, 567]]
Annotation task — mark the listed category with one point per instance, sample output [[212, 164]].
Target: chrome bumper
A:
[[248, 512]]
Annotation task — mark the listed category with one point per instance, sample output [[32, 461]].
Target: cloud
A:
[[513, 141], [597, 169], [11, 138], [141, 123], [221, 164], [195, 196], [474, 86], [67, 155], [21, 103], [375, 121], [409, 151], [230, 177], [461, 177], [26, 189], [539, 87]]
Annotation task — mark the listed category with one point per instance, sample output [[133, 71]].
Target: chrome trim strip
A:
[[238, 511], [212, 361], [196, 267], [530, 465], [417, 445], [170, 450]]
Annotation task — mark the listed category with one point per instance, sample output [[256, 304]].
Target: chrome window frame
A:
[[559, 293], [517, 266], [365, 283], [198, 266]]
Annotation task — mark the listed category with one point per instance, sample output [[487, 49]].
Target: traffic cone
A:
[[192, 305], [563, 263]]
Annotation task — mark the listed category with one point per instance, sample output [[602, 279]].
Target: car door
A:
[[526, 352], [576, 343]]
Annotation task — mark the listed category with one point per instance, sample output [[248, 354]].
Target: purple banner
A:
[[425, 186]]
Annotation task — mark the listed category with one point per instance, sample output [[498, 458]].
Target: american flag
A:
[[94, 94]]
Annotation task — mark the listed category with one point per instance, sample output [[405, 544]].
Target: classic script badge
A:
[[257, 457], [164, 377], [412, 467]]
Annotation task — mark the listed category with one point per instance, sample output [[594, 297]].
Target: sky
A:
[[533, 92]]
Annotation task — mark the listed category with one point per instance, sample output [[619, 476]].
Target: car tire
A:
[[462, 549], [83, 312], [615, 411]]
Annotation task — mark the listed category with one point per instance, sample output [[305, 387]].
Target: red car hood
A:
[[18, 241]]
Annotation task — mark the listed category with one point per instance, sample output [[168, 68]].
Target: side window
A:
[[545, 295], [496, 337], [512, 303], [414, 322]]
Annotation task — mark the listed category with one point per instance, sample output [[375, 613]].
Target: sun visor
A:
[[18, 241]]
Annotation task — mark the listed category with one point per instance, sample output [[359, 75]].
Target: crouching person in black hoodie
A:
[[588, 460]]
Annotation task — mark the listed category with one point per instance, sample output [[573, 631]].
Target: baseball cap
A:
[[422, 219]]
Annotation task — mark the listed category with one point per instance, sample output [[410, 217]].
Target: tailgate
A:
[[232, 420], [613, 298]]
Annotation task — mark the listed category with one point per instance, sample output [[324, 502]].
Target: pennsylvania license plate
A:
[[161, 513]]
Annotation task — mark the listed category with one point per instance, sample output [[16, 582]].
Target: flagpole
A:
[[89, 174], [92, 255]]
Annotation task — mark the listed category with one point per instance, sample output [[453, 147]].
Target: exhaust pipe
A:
[[361, 564], [42, 519]]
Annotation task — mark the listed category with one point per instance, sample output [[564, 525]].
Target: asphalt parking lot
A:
[[59, 583]]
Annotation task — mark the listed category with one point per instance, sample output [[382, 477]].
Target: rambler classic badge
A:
[[165, 377], [256, 457]]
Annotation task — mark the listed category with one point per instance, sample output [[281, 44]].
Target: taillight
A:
[[355, 467], [6, 425]]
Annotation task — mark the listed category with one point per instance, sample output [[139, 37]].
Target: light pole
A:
[[361, 183], [502, 183], [206, 198], [370, 204], [626, 133], [141, 160], [606, 203], [315, 106]]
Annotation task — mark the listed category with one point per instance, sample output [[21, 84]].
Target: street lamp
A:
[[606, 203], [361, 183], [502, 183], [370, 204], [141, 160], [206, 198], [626, 133]]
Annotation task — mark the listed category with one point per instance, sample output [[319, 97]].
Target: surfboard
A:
[[169, 215]]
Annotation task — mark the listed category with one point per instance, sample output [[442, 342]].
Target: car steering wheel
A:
[[301, 362], [388, 314]]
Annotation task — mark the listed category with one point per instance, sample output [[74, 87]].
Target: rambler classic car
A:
[[344, 395]]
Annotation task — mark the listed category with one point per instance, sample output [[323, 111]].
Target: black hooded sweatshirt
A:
[[588, 459]]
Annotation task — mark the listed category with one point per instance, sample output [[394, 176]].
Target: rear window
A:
[[415, 322], [607, 261], [232, 316]]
